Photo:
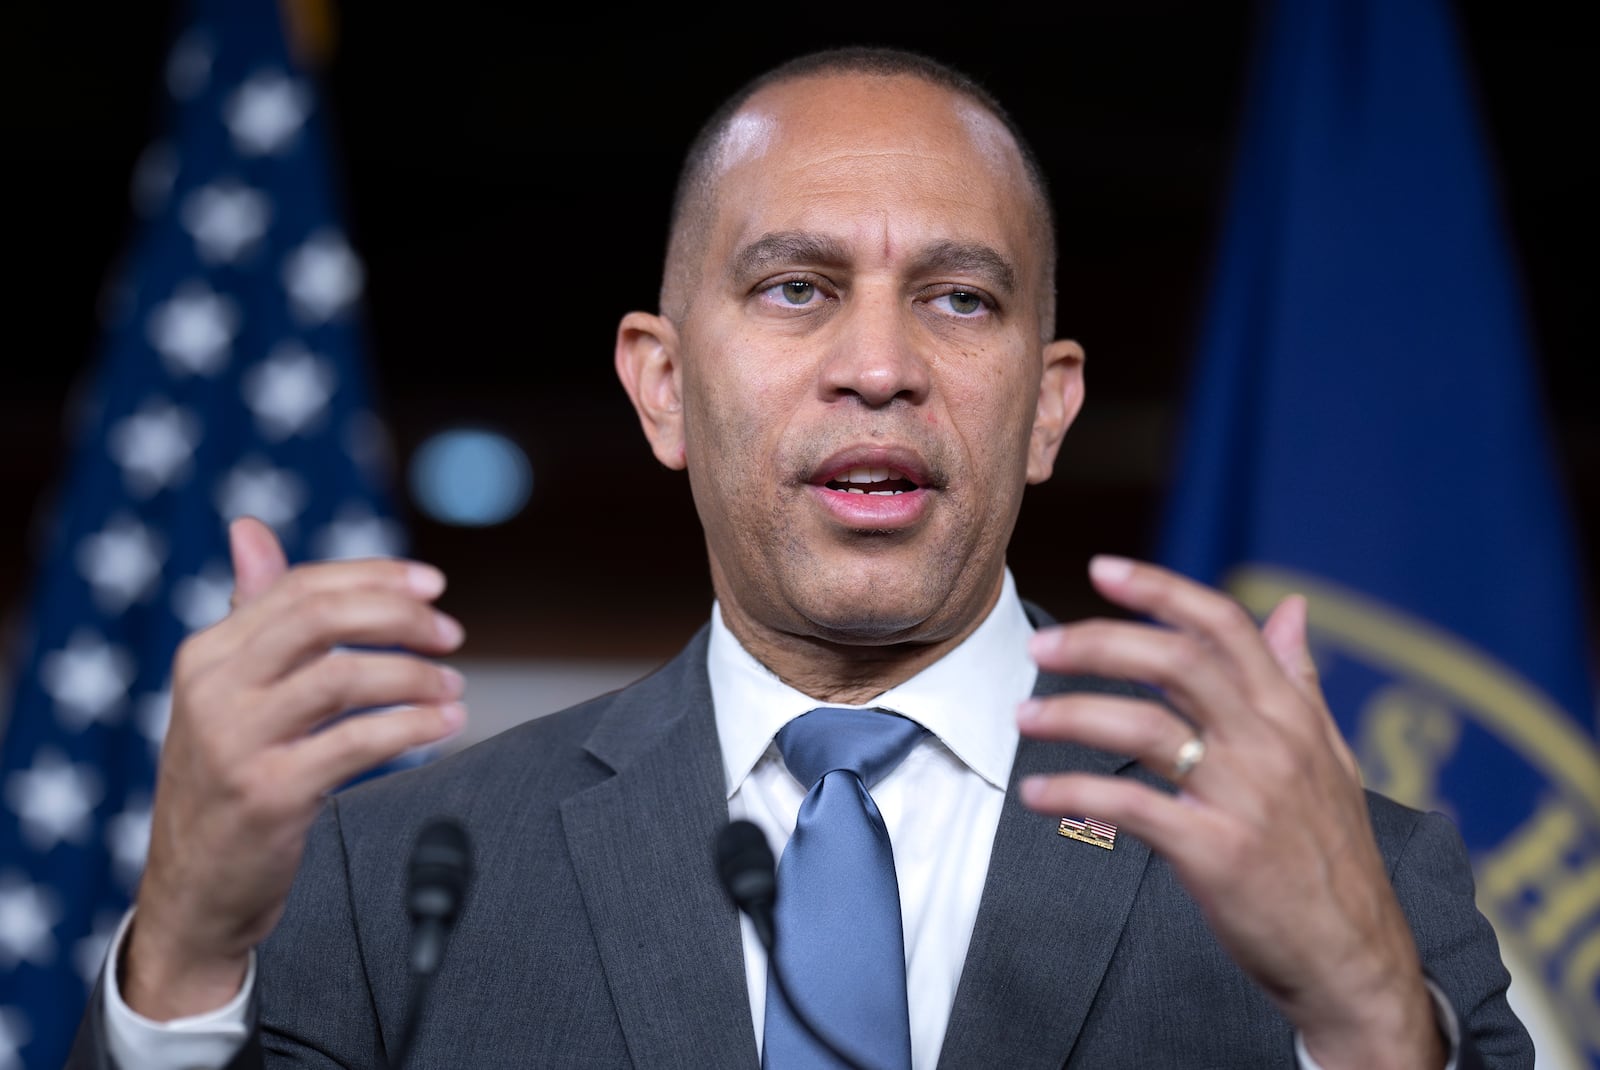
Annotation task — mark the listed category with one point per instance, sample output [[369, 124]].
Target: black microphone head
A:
[[744, 862], [441, 862]]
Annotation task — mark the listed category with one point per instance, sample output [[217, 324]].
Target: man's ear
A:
[[647, 364], [1060, 398]]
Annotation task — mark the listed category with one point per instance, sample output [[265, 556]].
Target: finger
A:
[[1137, 728], [229, 641], [413, 578], [1182, 665], [258, 559], [1285, 635], [360, 617], [1187, 606], [357, 744], [341, 681]]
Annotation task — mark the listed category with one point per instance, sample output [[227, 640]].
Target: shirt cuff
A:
[[203, 1042], [1443, 1013]]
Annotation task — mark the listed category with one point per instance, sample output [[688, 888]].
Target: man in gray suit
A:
[[855, 362]]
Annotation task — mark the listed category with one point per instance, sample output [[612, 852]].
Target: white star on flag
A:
[[201, 600], [153, 714], [289, 391], [266, 112], [189, 65], [54, 799], [154, 446], [153, 176], [88, 679], [14, 1035], [121, 563], [357, 532], [128, 836], [28, 913], [89, 953], [193, 329], [253, 487], [323, 276], [225, 218]]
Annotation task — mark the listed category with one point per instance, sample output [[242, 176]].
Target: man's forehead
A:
[[745, 139], [890, 165], [857, 112]]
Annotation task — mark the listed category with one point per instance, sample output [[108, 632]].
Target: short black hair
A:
[[695, 178]]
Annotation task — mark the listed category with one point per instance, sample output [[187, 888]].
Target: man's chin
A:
[[865, 619]]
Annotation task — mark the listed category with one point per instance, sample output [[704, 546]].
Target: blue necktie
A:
[[839, 938]]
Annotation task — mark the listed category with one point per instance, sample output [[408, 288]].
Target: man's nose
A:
[[877, 353]]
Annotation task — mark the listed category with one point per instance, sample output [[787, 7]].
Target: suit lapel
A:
[[641, 846], [1050, 918]]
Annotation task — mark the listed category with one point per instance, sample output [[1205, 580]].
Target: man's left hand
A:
[[1268, 829]]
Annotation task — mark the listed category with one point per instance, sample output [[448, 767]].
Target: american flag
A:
[[1088, 830], [230, 383]]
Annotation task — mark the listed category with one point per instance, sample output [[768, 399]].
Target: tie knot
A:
[[869, 743]]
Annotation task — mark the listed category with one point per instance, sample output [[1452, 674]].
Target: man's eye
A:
[[965, 303], [797, 291]]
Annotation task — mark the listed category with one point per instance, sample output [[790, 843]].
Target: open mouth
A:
[[871, 481]]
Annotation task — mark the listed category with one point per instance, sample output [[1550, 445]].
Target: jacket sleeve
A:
[[316, 1004], [1433, 878]]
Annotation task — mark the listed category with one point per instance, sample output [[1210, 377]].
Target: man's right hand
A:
[[248, 761]]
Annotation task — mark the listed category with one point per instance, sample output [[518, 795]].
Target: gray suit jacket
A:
[[595, 932]]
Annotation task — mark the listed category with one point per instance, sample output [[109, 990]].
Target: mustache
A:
[[912, 452]]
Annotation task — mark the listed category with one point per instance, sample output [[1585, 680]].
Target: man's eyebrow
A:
[[792, 247], [968, 258], [787, 247]]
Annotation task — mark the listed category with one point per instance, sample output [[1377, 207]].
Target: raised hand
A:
[[249, 753], [1269, 829]]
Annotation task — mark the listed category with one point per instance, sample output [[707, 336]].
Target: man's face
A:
[[858, 362]]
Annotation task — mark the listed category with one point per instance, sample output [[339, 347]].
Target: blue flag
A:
[[1365, 428], [230, 383]]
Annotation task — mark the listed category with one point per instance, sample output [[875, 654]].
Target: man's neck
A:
[[844, 672]]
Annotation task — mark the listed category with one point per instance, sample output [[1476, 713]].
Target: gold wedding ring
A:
[[1189, 756]]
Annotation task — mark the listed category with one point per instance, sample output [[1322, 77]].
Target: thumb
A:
[[1285, 633], [258, 558]]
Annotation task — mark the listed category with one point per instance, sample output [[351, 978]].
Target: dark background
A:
[[507, 178]]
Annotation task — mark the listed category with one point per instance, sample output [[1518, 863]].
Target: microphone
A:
[[744, 862], [441, 863], [749, 874]]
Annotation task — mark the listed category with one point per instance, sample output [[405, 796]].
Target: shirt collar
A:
[[968, 698]]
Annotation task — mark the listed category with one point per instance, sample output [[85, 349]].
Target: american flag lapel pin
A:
[[1088, 830]]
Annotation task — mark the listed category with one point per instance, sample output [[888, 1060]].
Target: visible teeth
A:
[[868, 475]]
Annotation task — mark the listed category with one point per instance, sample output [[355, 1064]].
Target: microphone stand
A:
[[441, 862]]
